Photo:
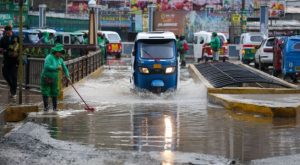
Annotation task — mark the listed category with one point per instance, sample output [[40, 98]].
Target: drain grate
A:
[[222, 74]]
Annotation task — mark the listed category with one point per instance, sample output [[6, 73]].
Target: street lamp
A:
[[92, 23]]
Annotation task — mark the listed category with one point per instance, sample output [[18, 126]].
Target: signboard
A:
[[277, 8], [235, 19], [169, 21], [115, 21], [6, 19], [11, 6]]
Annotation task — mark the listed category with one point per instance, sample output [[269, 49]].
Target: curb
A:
[[284, 111], [254, 108]]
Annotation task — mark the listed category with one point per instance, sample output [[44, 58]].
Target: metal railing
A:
[[79, 68]]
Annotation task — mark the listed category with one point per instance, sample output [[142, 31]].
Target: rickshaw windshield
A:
[[157, 49]]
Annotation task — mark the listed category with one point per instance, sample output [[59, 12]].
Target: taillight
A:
[[268, 50], [109, 47], [248, 46], [120, 46]]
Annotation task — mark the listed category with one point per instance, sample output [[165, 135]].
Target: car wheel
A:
[[256, 65]]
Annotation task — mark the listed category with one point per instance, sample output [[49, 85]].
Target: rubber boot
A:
[[46, 105], [54, 103]]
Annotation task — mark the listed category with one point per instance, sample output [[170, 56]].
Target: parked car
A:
[[202, 49], [29, 36], [248, 42], [264, 53]]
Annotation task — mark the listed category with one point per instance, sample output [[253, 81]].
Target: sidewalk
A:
[[29, 97]]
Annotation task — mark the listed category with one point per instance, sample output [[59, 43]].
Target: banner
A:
[[187, 23], [277, 8], [77, 7]]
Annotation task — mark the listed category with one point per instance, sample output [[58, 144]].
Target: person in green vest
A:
[[102, 45], [49, 77], [215, 45]]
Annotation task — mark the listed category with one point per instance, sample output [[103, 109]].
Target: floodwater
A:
[[183, 121]]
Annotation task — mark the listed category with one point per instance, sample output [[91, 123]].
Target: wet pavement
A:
[[144, 128], [30, 97], [177, 122]]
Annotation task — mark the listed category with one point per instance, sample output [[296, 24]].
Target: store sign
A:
[[5, 19], [115, 21]]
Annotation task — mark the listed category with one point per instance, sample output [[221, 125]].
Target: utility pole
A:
[[243, 18], [20, 68]]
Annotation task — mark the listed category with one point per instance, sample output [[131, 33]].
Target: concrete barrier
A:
[[18, 113], [217, 96]]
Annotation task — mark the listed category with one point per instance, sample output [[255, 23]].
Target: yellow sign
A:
[[235, 19]]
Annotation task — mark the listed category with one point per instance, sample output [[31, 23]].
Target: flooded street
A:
[[183, 121]]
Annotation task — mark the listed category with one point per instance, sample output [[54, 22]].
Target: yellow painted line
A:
[[19, 112], [254, 108]]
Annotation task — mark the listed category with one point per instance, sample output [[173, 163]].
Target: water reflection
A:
[[154, 127], [183, 122]]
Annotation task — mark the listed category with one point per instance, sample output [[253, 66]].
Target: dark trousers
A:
[[10, 74], [46, 104]]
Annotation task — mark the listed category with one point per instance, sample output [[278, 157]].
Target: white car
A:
[[264, 53]]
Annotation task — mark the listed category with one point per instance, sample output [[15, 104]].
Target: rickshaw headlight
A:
[[291, 64], [144, 70], [170, 69]]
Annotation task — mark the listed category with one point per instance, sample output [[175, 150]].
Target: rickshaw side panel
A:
[[291, 56]]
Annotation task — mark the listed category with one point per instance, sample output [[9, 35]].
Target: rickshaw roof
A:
[[155, 35]]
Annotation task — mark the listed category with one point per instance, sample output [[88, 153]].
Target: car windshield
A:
[[113, 38], [270, 42], [34, 38], [222, 38], [256, 38], [157, 49]]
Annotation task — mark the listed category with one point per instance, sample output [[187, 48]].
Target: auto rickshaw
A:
[[155, 62], [290, 59]]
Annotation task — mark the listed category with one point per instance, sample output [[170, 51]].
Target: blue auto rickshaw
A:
[[290, 65], [155, 62]]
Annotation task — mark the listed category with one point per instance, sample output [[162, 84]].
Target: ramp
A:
[[226, 74]]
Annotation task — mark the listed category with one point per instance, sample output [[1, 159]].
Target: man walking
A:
[[10, 46]]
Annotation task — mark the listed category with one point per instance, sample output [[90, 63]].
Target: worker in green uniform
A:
[[49, 78]]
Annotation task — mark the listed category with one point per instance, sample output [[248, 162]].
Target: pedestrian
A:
[[49, 77], [10, 46], [102, 45], [215, 45], [182, 49]]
